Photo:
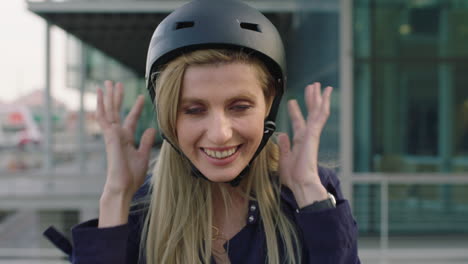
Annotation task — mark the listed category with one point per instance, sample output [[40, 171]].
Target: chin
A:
[[221, 177]]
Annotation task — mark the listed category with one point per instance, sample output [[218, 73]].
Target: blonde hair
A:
[[177, 228]]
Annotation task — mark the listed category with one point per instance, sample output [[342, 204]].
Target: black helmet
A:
[[220, 24]]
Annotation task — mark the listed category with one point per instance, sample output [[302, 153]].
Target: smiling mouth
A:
[[221, 154]]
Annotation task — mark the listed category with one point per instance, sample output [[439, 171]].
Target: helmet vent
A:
[[184, 24], [250, 26]]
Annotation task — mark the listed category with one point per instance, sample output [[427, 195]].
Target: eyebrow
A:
[[248, 96]]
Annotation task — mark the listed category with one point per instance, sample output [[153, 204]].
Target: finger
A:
[[117, 101], [108, 104], [147, 140], [100, 112], [308, 95], [285, 152], [317, 122], [131, 120], [322, 115], [284, 145], [326, 100], [314, 100], [295, 114]]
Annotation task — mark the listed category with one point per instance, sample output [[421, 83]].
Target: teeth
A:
[[220, 154]]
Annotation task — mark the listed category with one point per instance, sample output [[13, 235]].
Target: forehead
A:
[[221, 79]]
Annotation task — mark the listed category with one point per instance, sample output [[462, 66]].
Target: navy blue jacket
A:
[[328, 236]]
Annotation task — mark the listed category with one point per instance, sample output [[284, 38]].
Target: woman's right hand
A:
[[126, 165]]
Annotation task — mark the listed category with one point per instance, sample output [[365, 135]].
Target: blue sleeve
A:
[[116, 245], [328, 236], [93, 245]]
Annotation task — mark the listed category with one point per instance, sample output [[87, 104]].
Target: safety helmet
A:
[[220, 24]]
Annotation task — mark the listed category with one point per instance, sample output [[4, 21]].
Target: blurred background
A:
[[398, 133]]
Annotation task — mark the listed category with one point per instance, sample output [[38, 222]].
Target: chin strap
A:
[[269, 129]]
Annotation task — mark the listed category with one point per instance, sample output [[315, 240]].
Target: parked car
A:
[[17, 126]]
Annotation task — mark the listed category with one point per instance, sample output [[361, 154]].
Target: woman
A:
[[221, 190]]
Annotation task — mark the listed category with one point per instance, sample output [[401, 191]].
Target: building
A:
[[399, 128]]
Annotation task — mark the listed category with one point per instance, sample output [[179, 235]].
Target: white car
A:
[[17, 126]]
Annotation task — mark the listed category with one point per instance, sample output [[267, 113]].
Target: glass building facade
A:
[[411, 112]]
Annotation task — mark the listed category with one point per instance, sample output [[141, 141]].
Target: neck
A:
[[231, 208]]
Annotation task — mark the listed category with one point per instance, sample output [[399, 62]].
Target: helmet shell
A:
[[218, 24]]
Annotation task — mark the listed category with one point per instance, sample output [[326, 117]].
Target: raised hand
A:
[[126, 165], [299, 165]]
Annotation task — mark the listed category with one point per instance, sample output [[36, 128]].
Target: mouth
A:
[[221, 153]]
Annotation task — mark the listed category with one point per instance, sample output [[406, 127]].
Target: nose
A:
[[219, 129]]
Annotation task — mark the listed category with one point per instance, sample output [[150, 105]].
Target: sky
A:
[[22, 56]]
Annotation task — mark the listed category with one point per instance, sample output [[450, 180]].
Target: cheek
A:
[[252, 127], [186, 133]]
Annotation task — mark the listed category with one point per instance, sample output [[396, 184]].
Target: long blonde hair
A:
[[177, 228]]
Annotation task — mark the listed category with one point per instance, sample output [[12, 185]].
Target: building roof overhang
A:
[[122, 28]]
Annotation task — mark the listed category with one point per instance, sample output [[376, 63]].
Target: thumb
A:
[[285, 149], [284, 159], [147, 140], [284, 145]]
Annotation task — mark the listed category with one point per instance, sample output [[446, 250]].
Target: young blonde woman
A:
[[221, 191]]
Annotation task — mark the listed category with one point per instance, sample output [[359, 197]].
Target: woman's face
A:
[[220, 118]]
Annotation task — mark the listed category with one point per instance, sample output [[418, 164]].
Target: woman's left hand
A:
[[299, 165]]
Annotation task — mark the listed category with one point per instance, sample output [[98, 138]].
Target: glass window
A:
[[413, 209], [366, 208], [411, 111], [309, 61], [411, 96]]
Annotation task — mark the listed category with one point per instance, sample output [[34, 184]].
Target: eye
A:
[[241, 107], [194, 110]]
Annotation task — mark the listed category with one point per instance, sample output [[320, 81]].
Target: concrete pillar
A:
[[81, 121], [346, 98], [47, 120]]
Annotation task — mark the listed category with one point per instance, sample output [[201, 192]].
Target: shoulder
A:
[[144, 190], [141, 198], [137, 216], [328, 176], [140, 204], [329, 180]]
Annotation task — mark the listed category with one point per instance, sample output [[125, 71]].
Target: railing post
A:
[[48, 108], [346, 97]]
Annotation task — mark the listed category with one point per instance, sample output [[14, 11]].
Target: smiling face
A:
[[220, 118]]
